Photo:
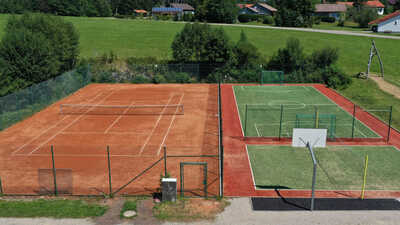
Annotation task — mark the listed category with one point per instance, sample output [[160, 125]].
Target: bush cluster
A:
[[319, 67], [362, 15]]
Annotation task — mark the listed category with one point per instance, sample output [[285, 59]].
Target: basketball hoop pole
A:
[[309, 147], [314, 175]]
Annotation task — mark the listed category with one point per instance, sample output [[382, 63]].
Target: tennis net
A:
[[79, 109]]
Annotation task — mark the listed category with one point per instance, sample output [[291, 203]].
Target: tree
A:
[[319, 67], [36, 47], [218, 11], [288, 59], [364, 16], [201, 43], [246, 54], [294, 13]]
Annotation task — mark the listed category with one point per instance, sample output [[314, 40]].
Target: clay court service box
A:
[[168, 187]]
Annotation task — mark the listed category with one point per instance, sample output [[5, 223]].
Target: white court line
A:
[[155, 126], [251, 168], [237, 107], [360, 131], [94, 132], [32, 140], [170, 125], [258, 133], [66, 127], [119, 117]]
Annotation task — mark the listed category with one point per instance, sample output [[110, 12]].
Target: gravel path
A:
[[240, 212], [386, 86]]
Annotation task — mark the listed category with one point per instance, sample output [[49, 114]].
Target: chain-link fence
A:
[[279, 120]]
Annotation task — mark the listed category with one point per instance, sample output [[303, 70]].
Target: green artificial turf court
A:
[[339, 167], [260, 112]]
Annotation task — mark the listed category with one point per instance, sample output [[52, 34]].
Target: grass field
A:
[[339, 167], [264, 112], [51, 208], [153, 38]]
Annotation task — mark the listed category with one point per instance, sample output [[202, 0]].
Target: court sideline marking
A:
[[69, 125], [119, 117], [170, 125], [51, 127], [155, 126], [238, 112]]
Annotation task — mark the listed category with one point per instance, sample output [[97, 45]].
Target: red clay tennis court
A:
[[135, 122]]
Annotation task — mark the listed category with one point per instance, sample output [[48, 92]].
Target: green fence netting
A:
[[272, 77], [24, 103], [276, 120]]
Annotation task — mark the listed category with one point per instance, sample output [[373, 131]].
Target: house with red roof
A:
[[376, 4], [140, 12], [388, 24], [257, 9]]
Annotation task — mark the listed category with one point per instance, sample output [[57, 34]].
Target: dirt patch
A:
[[190, 210], [387, 87]]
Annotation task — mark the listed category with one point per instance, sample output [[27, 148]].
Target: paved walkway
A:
[[240, 212]]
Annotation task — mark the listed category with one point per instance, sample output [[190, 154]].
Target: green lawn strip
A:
[[128, 205], [153, 38], [263, 111], [367, 94], [339, 167], [50, 208]]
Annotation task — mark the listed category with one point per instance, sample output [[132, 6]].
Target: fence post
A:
[[54, 172], [245, 122], [165, 161], [109, 171], [280, 123], [354, 121], [1, 187], [390, 123]]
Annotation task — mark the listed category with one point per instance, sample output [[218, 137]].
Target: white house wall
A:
[[392, 25]]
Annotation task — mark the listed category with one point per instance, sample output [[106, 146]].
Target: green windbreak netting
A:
[[272, 77], [24, 103]]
